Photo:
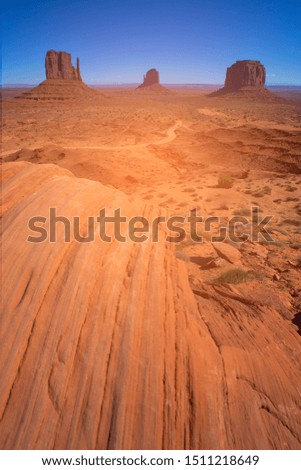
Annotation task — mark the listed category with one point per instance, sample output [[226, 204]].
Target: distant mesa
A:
[[151, 82], [63, 81], [150, 78], [58, 66], [245, 73], [245, 78]]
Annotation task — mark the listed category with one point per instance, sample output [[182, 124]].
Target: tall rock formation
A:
[[63, 81], [246, 78], [245, 73], [151, 82], [150, 78], [58, 66]]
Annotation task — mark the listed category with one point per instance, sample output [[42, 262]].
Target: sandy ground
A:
[[170, 151]]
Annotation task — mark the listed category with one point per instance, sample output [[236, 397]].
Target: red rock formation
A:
[[78, 69], [245, 73], [246, 78], [151, 78], [105, 345], [63, 81], [60, 90], [58, 66]]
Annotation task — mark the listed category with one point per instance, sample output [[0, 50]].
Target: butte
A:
[[245, 79], [151, 82], [63, 81]]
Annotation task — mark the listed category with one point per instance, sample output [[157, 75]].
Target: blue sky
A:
[[117, 41]]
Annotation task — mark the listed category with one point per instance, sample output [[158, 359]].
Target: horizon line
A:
[[113, 84]]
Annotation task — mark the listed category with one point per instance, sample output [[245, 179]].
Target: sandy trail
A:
[[170, 135]]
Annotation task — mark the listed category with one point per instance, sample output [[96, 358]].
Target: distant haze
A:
[[188, 41]]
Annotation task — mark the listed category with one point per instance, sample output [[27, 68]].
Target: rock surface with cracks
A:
[[105, 345]]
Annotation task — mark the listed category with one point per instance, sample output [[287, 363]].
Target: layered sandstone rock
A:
[[151, 82], [245, 73], [60, 90], [246, 78], [58, 66], [63, 81], [105, 345]]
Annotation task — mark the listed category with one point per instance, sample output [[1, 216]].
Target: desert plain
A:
[[189, 345]]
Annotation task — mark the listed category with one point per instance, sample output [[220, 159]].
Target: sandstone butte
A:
[[105, 346], [63, 81], [245, 78], [58, 66], [151, 82]]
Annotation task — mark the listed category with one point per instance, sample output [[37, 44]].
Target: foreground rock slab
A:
[[105, 346], [228, 252]]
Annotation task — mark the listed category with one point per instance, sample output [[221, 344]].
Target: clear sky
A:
[[117, 41]]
